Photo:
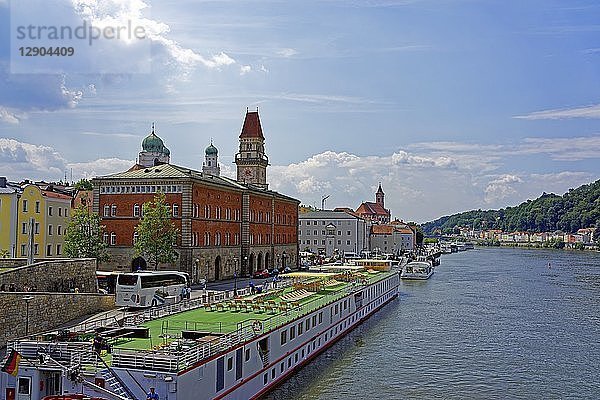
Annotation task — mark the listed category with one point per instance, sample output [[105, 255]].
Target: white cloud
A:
[[100, 167], [244, 69], [8, 116], [19, 160], [591, 111], [287, 52], [501, 188], [418, 185]]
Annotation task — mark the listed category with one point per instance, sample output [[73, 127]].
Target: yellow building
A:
[[31, 205], [58, 213], [9, 195]]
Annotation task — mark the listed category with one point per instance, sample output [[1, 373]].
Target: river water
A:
[[491, 323]]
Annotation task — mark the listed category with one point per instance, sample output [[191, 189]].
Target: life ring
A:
[[257, 326]]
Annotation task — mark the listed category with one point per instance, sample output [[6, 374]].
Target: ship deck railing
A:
[[180, 355]]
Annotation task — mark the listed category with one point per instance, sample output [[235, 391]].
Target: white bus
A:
[[146, 289]]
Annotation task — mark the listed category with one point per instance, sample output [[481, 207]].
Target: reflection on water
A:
[[489, 324]]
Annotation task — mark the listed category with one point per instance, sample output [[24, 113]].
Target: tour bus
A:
[[146, 288]]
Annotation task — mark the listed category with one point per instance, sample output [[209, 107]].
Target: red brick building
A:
[[225, 225]]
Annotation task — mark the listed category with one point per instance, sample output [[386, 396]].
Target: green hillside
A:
[[578, 208]]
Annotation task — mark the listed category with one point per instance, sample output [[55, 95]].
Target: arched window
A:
[[113, 210], [217, 239], [106, 210], [113, 238], [207, 239]]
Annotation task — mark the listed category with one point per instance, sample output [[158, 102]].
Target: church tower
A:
[[251, 159], [211, 161], [153, 151], [379, 196]]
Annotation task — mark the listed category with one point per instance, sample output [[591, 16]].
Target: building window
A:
[[24, 228], [207, 239], [58, 250], [50, 211], [50, 230], [23, 250], [283, 337], [59, 212], [113, 239], [135, 237], [36, 249], [136, 210], [217, 239], [24, 205], [49, 250], [37, 207], [106, 210], [36, 228], [59, 230], [176, 210], [113, 210]]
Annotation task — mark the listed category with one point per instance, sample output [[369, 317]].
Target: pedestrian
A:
[[275, 282], [151, 395], [251, 284], [189, 292]]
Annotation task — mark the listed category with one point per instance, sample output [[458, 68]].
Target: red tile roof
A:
[[55, 195], [372, 208], [252, 127]]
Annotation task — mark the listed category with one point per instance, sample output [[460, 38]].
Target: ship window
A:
[[300, 328], [292, 332], [247, 355], [273, 373], [314, 322], [283, 337], [296, 358], [265, 378], [302, 353], [281, 367], [229, 363], [307, 323], [289, 362], [320, 317], [325, 337]]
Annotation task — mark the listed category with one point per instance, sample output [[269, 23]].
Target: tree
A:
[[84, 236], [4, 253], [83, 184], [156, 234]]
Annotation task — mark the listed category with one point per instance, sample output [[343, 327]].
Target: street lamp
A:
[[27, 299], [235, 260]]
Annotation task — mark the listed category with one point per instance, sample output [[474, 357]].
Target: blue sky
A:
[[451, 104]]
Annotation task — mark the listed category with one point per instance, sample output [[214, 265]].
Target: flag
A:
[[12, 363]]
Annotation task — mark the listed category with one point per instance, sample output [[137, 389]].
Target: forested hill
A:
[[578, 208]]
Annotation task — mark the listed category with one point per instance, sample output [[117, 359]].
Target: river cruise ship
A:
[[212, 348]]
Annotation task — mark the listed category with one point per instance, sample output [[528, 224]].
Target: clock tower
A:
[[251, 159]]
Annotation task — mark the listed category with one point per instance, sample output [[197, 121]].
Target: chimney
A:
[[2, 181]]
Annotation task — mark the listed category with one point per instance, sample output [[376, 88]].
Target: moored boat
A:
[[417, 270], [236, 348]]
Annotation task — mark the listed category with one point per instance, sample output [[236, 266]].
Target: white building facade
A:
[[330, 232]]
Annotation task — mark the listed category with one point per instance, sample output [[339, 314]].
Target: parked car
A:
[[261, 274]]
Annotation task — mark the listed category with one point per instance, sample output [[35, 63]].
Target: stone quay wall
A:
[[46, 311], [53, 276]]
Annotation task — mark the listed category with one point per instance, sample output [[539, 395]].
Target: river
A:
[[491, 323]]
